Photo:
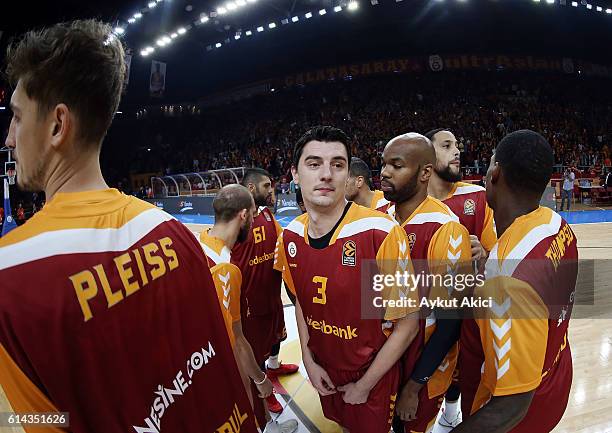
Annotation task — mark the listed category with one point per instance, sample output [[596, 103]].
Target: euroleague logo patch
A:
[[349, 251], [411, 240], [469, 207]]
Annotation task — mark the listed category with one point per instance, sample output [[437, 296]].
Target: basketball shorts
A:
[[374, 416]]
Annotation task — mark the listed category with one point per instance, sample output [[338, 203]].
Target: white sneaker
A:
[[289, 426], [452, 423]]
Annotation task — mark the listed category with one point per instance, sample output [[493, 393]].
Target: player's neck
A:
[[439, 188], [322, 220], [365, 198], [509, 210], [224, 232], [82, 174], [405, 209]]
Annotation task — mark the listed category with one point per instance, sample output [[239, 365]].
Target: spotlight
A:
[[337, 8], [241, 3], [609, 11], [589, 6], [284, 21], [374, 2], [248, 33], [231, 6], [550, 2], [137, 15], [221, 10], [204, 19], [272, 25], [132, 20], [181, 31], [575, 4], [167, 40], [218, 45], [599, 9], [173, 35], [119, 30], [260, 29], [236, 37], [353, 5], [160, 43], [308, 15], [322, 12], [152, 5], [144, 53], [295, 19]]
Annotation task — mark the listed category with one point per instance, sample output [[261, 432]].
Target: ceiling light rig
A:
[[344, 5]]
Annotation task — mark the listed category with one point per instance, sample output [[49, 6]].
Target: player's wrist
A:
[[362, 386]]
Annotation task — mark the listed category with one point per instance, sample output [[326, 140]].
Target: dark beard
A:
[[260, 199], [405, 193], [447, 176]]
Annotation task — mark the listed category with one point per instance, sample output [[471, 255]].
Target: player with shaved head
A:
[[439, 244]]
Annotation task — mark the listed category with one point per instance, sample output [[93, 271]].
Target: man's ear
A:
[[496, 173], [295, 175], [61, 125], [426, 171], [359, 181], [243, 214]]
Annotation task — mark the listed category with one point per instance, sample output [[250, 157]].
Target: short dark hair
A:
[[430, 134], [325, 134], [79, 63], [360, 168], [527, 161], [230, 201], [253, 175]]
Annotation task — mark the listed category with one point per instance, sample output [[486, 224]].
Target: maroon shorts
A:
[[426, 412], [263, 332], [374, 416]]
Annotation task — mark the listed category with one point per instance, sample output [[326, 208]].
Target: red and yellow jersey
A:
[[439, 245], [515, 344], [379, 202], [97, 289], [469, 203], [261, 284], [334, 283], [226, 277]]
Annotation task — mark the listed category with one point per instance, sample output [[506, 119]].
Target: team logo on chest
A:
[[469, 207], [292, 249], [411, 240], [349, 252]]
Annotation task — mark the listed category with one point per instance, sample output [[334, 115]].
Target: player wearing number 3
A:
[[326, 256]]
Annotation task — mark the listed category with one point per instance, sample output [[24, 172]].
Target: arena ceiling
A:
[[387, 29]]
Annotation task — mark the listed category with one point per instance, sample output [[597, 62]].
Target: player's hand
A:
[[478, 252], [407, 406], [354, 393], [320, 379], [265, 389]]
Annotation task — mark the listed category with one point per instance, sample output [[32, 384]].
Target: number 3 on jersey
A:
[[259, 234], [321, 290]]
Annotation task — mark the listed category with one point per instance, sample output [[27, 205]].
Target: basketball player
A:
[[349, 359], [359, 187], [469, 203], [234, 208], [117, 322], [516, 364], [263, 320], [438, 243]]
